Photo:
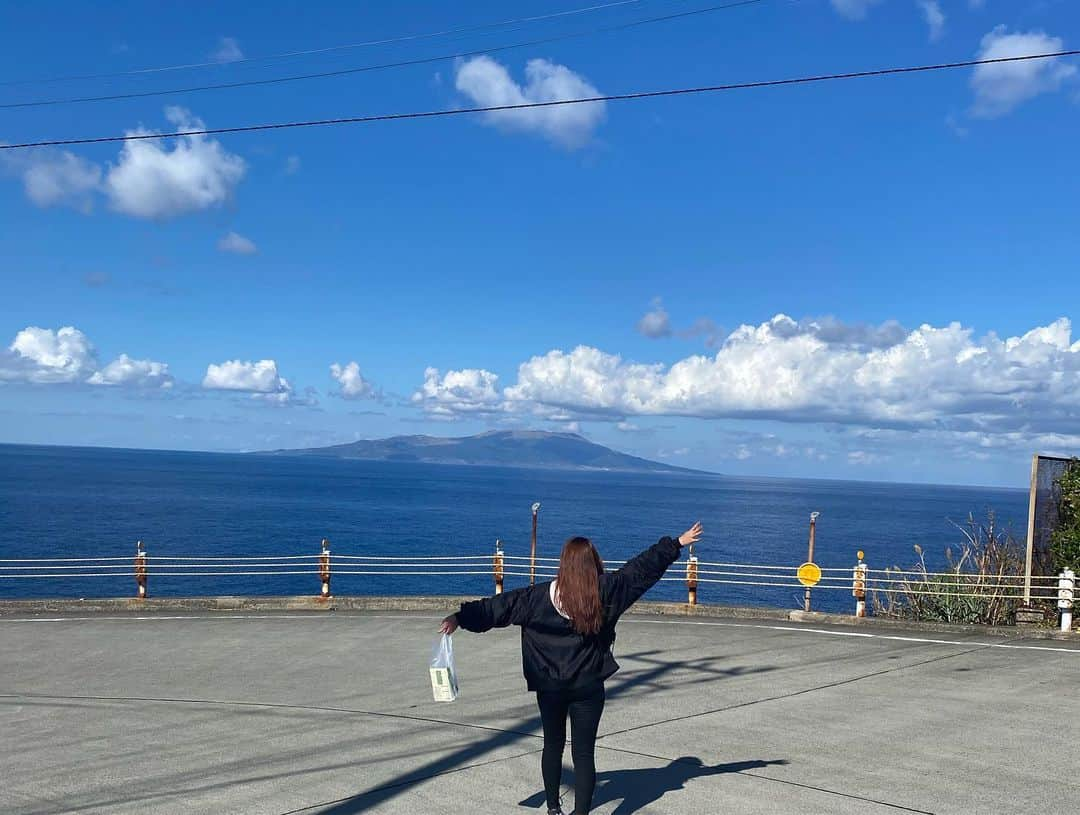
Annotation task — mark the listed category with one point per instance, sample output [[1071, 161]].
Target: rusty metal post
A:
[[532, 551], [858, 586], [498, 564], [324, 569], [810, 555], [691, 577], [140, 569]]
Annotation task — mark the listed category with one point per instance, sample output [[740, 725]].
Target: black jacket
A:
[[553, 655]]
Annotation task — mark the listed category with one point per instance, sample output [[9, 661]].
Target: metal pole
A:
[[691, 577], [498, 567], [858, 587], [532, 550], [140, 569], [810, 555], [324, 569]]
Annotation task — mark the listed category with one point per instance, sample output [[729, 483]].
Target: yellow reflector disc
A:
[[809, 574]]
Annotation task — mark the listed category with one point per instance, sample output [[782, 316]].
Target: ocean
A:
[[90, 502]]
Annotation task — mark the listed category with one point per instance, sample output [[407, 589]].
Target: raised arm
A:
[[509, 608], [640, 573]]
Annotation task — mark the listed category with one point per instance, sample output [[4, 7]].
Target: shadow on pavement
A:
[[633, 681], [637, 789]]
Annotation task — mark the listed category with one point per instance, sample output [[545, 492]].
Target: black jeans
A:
[[584, 707]]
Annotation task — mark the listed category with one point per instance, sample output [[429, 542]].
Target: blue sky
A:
[[862, 279]]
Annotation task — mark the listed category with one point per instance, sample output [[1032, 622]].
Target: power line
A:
[[620, 97], [385, 65], [328, 49]]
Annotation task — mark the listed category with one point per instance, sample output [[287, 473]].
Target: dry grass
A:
[[978, 585]]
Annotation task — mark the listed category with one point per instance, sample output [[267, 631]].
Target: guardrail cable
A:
[[859, 580]]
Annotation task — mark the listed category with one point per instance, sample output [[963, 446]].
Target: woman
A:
[[567, 630]]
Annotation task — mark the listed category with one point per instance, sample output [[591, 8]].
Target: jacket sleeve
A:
[[639, 574], [509, 608]]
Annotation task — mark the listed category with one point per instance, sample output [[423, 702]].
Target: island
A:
[[497, 448]]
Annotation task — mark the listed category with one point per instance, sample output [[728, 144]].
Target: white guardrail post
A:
[[858, 586], [1066, 584]]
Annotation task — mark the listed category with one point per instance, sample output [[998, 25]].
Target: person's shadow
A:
[[639, 788]]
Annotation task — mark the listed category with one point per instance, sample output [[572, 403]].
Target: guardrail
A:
[[859, 579]]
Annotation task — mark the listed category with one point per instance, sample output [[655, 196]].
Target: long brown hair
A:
[[580, 568]]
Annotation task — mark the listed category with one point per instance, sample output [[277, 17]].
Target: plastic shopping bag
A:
[[444, 685]]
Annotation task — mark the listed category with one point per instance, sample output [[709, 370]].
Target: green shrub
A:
[[979, 585], [1065, 539]]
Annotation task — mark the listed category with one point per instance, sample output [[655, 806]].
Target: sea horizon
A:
[[687, 472], [96, 502]]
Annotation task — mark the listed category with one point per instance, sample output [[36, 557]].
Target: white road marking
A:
[[625, 621], [125, 618], [302, 615], [862, 634]]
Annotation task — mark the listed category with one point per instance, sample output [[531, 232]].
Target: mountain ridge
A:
[[539, 449]]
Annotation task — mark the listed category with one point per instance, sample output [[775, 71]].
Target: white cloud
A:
[[812, 371], [465, 392], [139, 372], [237, 244], [487, 83], [976, 4], [42, 356], [656, 323], [853, 9], [935, 18], [680, 451], [862, 457], [292, 165], [706, 329], [1001, 87], [261, 380], [260, 377], [834, 332], [287, 396], [782, 371], [953, 123], [148, 180], [153, 180], [352, 382], [228, 50], [59, 178]]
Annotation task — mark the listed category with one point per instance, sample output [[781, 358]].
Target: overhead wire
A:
[[377, 67], [328, 49], [621, 97]]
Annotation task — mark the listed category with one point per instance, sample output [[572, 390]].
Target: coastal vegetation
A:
[[980, 583], [1065, 539]]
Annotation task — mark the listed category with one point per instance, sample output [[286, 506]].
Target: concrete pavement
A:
[[332, 714]]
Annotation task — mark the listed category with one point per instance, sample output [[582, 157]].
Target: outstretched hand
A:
[[691, 535], [449, 625]]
